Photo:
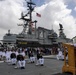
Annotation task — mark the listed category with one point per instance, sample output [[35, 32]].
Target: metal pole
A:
[[30, 11], [35, 27]]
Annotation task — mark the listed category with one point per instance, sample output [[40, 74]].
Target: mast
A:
[[28, 22], [31, 7]]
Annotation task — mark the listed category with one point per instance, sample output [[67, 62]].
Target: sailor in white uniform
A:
[[31, 57], [4, 55], [60, 55], [23, 53], [20, 61], [0, 54], [13, 58], [8, 53], [40, 59]]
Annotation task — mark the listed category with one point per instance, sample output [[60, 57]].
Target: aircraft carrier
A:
[[33, 36]]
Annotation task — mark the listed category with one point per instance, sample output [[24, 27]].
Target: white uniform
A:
[[31, 57], [8, 59], [23, 54], [0, 55], [16, 53], [60, 55], [40, 59], [4, 56], [21, 64], [13, 58], [20, 61]]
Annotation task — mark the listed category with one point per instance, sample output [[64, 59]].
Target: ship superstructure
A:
[[31, 36], [34, 36]]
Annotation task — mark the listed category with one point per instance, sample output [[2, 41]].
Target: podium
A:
[[70, 64]]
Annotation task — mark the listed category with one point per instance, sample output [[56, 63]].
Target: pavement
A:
[[51, 67], [63, 74], [49, 56]]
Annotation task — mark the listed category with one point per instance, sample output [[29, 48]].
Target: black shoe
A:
[[42, 65], [22, 67], [13, 64], [33, 62]]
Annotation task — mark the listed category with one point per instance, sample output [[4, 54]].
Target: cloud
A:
[[56, 12], [74, 1], [10, 11], [75, 8], [52, 13]]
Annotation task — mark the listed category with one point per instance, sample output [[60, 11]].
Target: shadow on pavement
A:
[[67, 73]]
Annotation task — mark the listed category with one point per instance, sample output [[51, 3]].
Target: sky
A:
[[52, 13]]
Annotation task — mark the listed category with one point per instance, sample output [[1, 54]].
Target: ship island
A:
[[33, 36]]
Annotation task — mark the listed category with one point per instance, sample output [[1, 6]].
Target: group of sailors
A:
[[19, 58]]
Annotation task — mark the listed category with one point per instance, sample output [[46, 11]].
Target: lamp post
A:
[[35, 27]]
